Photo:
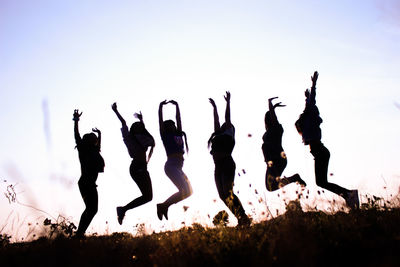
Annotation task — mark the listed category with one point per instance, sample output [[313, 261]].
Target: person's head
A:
[[137, 128], [224, 127], [222, 130], [169, 126], [267, 119], [307, 93], [90, 139]]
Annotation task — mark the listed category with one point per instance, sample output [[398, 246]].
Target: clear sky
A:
[[56, 56]]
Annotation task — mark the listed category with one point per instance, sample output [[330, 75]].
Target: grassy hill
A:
[[359, 238]]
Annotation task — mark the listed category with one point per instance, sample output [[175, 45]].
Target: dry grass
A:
[[368, 237]]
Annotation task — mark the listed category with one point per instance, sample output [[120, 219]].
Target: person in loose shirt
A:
[[137, 140]]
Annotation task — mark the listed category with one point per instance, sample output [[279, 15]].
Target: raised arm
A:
[[139, 116], [160, 115], [178, 115], [314, 79], [76, 117], [311, 95], [98, 136], [228, 109], [216, 117], [274, 118], [115, 109]]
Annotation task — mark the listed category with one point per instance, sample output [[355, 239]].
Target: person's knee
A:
[[321, 183], [230, 199], [270, 189], [272, 183], [148, 196], [187, 191], [92, 210], [224, 195]]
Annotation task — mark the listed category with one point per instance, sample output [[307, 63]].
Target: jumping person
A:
[[137, 140], [222, 142], [274, 154], [308, 126], [91, 164], [171, 136]]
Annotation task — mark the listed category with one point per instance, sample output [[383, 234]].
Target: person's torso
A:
[[135, 150], [91, 160], [137, 144], [222, 144], [311, 125], [272, 142], [173, 143]]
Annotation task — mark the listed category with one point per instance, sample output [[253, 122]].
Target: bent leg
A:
[[143, 181], [174, 171], [273, 180], [321, 156], [224, 178]]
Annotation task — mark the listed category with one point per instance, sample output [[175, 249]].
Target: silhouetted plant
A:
[[197, 227], [377, 203], [140, 229], [61, 227], [10, 193], [221, 219], [4, 240]]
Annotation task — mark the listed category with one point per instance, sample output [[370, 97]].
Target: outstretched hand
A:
[[173, 102], [138, 116], [227, 96], [212, 102], [307, 93], [77, 115], [114, 106], [272, 98], [314, 78], [279, 104], [96, 130]]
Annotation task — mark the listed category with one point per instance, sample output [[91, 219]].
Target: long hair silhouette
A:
[[137, 141], [171, 135]]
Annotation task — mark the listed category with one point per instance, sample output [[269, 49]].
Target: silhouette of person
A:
[[308, 126], [171, 136], [274, 155], [91, 164], [137, 140], [222, 142]]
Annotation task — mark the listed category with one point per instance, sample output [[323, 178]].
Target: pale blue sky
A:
[[88, 54]]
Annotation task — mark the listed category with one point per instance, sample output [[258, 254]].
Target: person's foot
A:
[[162, 210], [165, 213], [78, 235], [244, 221], [298, 179], [120, 214], [159, 212], [352, 199]]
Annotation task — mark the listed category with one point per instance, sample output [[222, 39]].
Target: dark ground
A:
[[359, 238]]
